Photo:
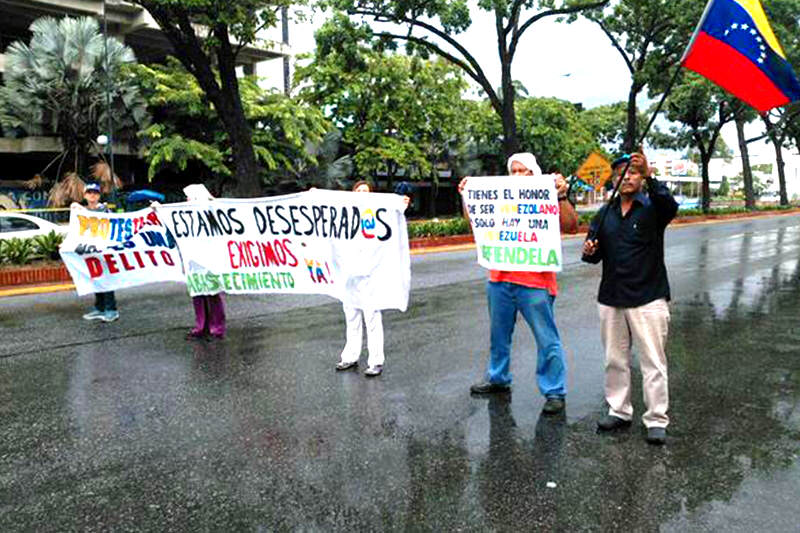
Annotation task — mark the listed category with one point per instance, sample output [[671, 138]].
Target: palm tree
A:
[[58, 85]]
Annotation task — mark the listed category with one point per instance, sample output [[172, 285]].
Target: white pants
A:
[[352, 348], [647, 327]]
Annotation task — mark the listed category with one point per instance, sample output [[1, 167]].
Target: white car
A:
[[24, 226]]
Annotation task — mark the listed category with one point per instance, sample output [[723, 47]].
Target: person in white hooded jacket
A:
[[356, 317]]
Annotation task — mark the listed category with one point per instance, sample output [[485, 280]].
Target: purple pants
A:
[[209, 315]]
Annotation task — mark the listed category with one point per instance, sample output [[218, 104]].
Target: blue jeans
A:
[[536, 307]]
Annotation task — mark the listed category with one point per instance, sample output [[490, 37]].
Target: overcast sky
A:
[[574, 62]]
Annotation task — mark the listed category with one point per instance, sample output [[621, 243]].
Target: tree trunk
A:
[[189, 50], [777, 143], [781, 173], [706, 193], [510, 141], [749, 197], [247, 171]]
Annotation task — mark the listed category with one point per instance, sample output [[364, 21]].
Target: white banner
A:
[[109, 251], [352, 246], [515, 220]]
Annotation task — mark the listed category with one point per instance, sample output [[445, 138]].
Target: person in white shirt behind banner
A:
[[355, 318]]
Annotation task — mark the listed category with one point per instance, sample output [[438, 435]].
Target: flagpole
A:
[[697, 30], [593, 234]]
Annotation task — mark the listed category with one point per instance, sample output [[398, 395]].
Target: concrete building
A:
[[128, 22]]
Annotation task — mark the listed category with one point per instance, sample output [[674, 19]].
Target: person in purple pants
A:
[[209, 310], [209, 316]]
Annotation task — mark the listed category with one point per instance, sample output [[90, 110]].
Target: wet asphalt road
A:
[[129, 427]]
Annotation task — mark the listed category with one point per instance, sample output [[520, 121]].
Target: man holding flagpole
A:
[[633, 296]]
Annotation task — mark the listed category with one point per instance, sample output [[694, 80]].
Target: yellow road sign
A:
[[595, 170]]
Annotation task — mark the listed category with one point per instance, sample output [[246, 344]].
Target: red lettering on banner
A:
[[230, 253], [124, 260], [252, 254], [286, 243], [108, 264], [111, 263], [95, 267], [152, 219]]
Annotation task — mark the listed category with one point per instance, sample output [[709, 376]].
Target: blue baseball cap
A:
[[92, 187], [621, 160]]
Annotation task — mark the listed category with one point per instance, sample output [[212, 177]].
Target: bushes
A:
[[47, 245], [438, 228], [18, 251]]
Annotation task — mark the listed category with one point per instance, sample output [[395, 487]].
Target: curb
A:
[[51, 279], [36, 289], [34, 276]]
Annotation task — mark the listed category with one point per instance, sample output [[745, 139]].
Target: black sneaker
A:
[[553, 406], [341, 365], [611, 422], [656, 436], [487, 387]]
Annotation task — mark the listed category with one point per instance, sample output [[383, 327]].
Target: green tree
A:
[[58, 85], [783, 128], [552, 129], [742, 114], [395, 111], [185, 133], [207, 37], [649, 35], [433, 27], [608, 124], [701, 110]]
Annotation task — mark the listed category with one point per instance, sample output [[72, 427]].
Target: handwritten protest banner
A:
[[109, 251], [515, 220], [352, 246]]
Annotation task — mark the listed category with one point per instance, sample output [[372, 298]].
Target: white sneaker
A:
[[109, 316], [94, 314], [373, 371]]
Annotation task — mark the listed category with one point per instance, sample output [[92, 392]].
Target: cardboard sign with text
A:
[[515, 220]]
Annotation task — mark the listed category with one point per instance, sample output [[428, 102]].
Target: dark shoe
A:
[[373, 371], [487, 387], [195, 334], [610, 423], [553, 406], [656, 436], [341, 365]]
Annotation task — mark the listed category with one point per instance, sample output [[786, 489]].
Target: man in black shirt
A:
[[633, 296]]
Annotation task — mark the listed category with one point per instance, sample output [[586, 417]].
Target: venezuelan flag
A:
[[734, 46]]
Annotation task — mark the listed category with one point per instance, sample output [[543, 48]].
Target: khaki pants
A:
[[647, 327]]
